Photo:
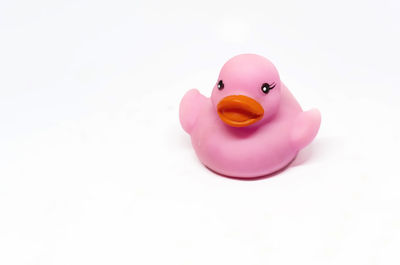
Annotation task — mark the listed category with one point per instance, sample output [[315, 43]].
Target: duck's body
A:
[[253, 150]]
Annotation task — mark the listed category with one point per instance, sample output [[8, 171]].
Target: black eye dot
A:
[[220, 85], [265, 88]]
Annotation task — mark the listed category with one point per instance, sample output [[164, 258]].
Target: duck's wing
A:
[[189, 109], [305, 128]]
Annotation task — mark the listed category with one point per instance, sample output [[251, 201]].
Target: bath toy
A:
[[251, 126]]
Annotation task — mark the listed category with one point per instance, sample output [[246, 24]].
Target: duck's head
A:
[[247, 91]]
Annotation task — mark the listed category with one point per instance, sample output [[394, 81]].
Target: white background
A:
[[95, 168]]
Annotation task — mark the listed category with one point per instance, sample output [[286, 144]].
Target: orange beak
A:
[[239, 110]]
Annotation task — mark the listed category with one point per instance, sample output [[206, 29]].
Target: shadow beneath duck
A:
[[303, 156], [319, 149]]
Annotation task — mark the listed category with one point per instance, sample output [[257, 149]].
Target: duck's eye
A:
[[220, 85], [265, 88]]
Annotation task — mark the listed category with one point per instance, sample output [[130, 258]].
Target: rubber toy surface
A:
[[252, 126]]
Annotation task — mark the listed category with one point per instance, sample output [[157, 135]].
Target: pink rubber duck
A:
[[252, 126]]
